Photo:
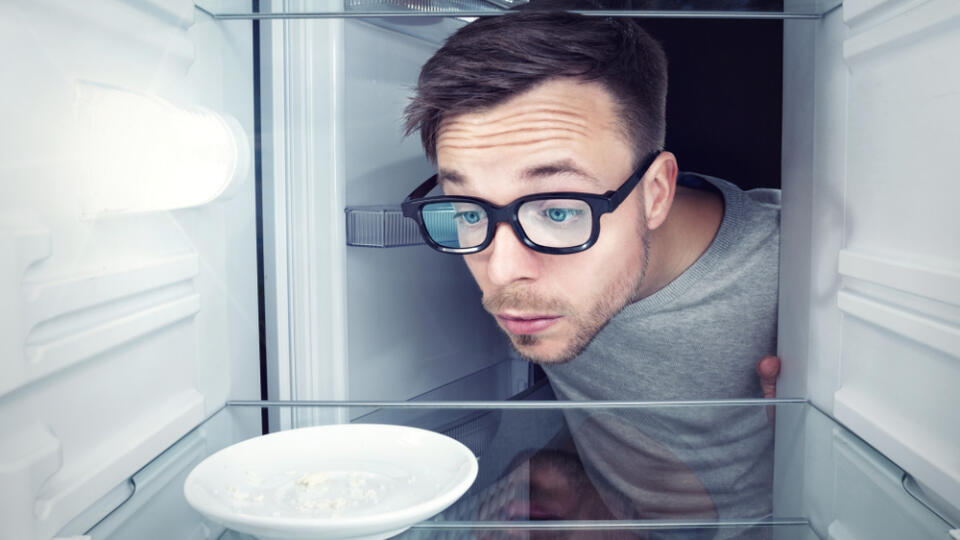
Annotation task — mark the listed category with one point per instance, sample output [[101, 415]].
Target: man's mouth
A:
[[520, 325]]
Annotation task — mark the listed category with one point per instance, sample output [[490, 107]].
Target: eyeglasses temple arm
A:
[[423, 189], [618, 196]]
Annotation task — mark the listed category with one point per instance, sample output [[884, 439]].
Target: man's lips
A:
[[527, 324]]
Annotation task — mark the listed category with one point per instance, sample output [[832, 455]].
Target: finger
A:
[[768, 368]]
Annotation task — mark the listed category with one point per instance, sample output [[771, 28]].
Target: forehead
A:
[[560, 121]]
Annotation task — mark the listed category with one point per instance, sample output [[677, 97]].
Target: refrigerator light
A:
[[141, 153]]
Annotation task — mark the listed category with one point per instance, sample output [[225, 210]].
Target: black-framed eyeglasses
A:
[[555, 223]]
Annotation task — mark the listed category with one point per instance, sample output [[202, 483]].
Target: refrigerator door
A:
[[127, 227], [870, 279]]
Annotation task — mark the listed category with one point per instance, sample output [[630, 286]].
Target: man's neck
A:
[[683, 238]]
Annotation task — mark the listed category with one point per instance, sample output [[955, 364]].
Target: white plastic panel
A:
[[870, 263], [900, 265], [414, 316], [304, 248], [157, 509], [813, 183], [349, 322], [871, 503], [123, 324], [844, 487]]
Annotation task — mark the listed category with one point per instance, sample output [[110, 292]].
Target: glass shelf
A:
[[557, 469], [315, 9]]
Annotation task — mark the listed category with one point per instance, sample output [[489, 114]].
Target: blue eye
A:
[[559, 215], [471, 217]]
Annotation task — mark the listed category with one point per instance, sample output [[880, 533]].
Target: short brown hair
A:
[[493, 59]]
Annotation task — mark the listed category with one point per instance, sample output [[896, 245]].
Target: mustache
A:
[[523, 300]]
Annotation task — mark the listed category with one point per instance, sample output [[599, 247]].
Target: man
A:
[[623, 278]]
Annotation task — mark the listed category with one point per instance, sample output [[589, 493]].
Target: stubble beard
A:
[[622, 292]]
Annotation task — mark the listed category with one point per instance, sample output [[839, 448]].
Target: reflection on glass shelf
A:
[[781, 530], [610, 470], [695, 470], [743, 9]]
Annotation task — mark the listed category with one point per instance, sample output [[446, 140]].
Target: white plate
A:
[[340, 481]]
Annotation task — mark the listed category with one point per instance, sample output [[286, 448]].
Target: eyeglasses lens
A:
[[455, 225], [556, 223]]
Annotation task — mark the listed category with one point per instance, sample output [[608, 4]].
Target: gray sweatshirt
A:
[[699, 337]]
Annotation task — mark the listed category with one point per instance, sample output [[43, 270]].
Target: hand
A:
[[768, 368]]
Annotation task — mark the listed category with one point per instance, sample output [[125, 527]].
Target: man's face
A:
[[561, 136]]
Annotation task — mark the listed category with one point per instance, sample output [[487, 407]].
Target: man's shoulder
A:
[[769, 197], [765, 196], [752, 212]]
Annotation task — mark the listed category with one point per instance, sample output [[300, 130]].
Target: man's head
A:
[[494, 59], [551, 102]]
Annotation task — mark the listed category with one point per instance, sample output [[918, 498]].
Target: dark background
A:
[[725, 90], [725, 96]]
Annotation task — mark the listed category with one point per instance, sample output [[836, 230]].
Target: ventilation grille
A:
[[380, 226], [475, 432]]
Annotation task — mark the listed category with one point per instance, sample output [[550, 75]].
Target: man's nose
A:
[[509, 260]]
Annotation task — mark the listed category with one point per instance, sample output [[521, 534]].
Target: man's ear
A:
[[659, 186]]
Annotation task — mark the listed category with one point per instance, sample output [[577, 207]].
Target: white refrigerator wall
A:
[[870, 280], [127, 227]]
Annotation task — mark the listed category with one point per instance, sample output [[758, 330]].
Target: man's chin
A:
[[542, 351]]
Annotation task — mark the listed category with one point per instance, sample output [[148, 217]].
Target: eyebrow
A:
[[564, 166], [449, 176]]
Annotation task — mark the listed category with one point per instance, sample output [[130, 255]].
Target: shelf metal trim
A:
[[610, 525], [753, 15], [520, 404]]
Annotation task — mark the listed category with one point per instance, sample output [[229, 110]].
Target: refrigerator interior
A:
[[174, 236]]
